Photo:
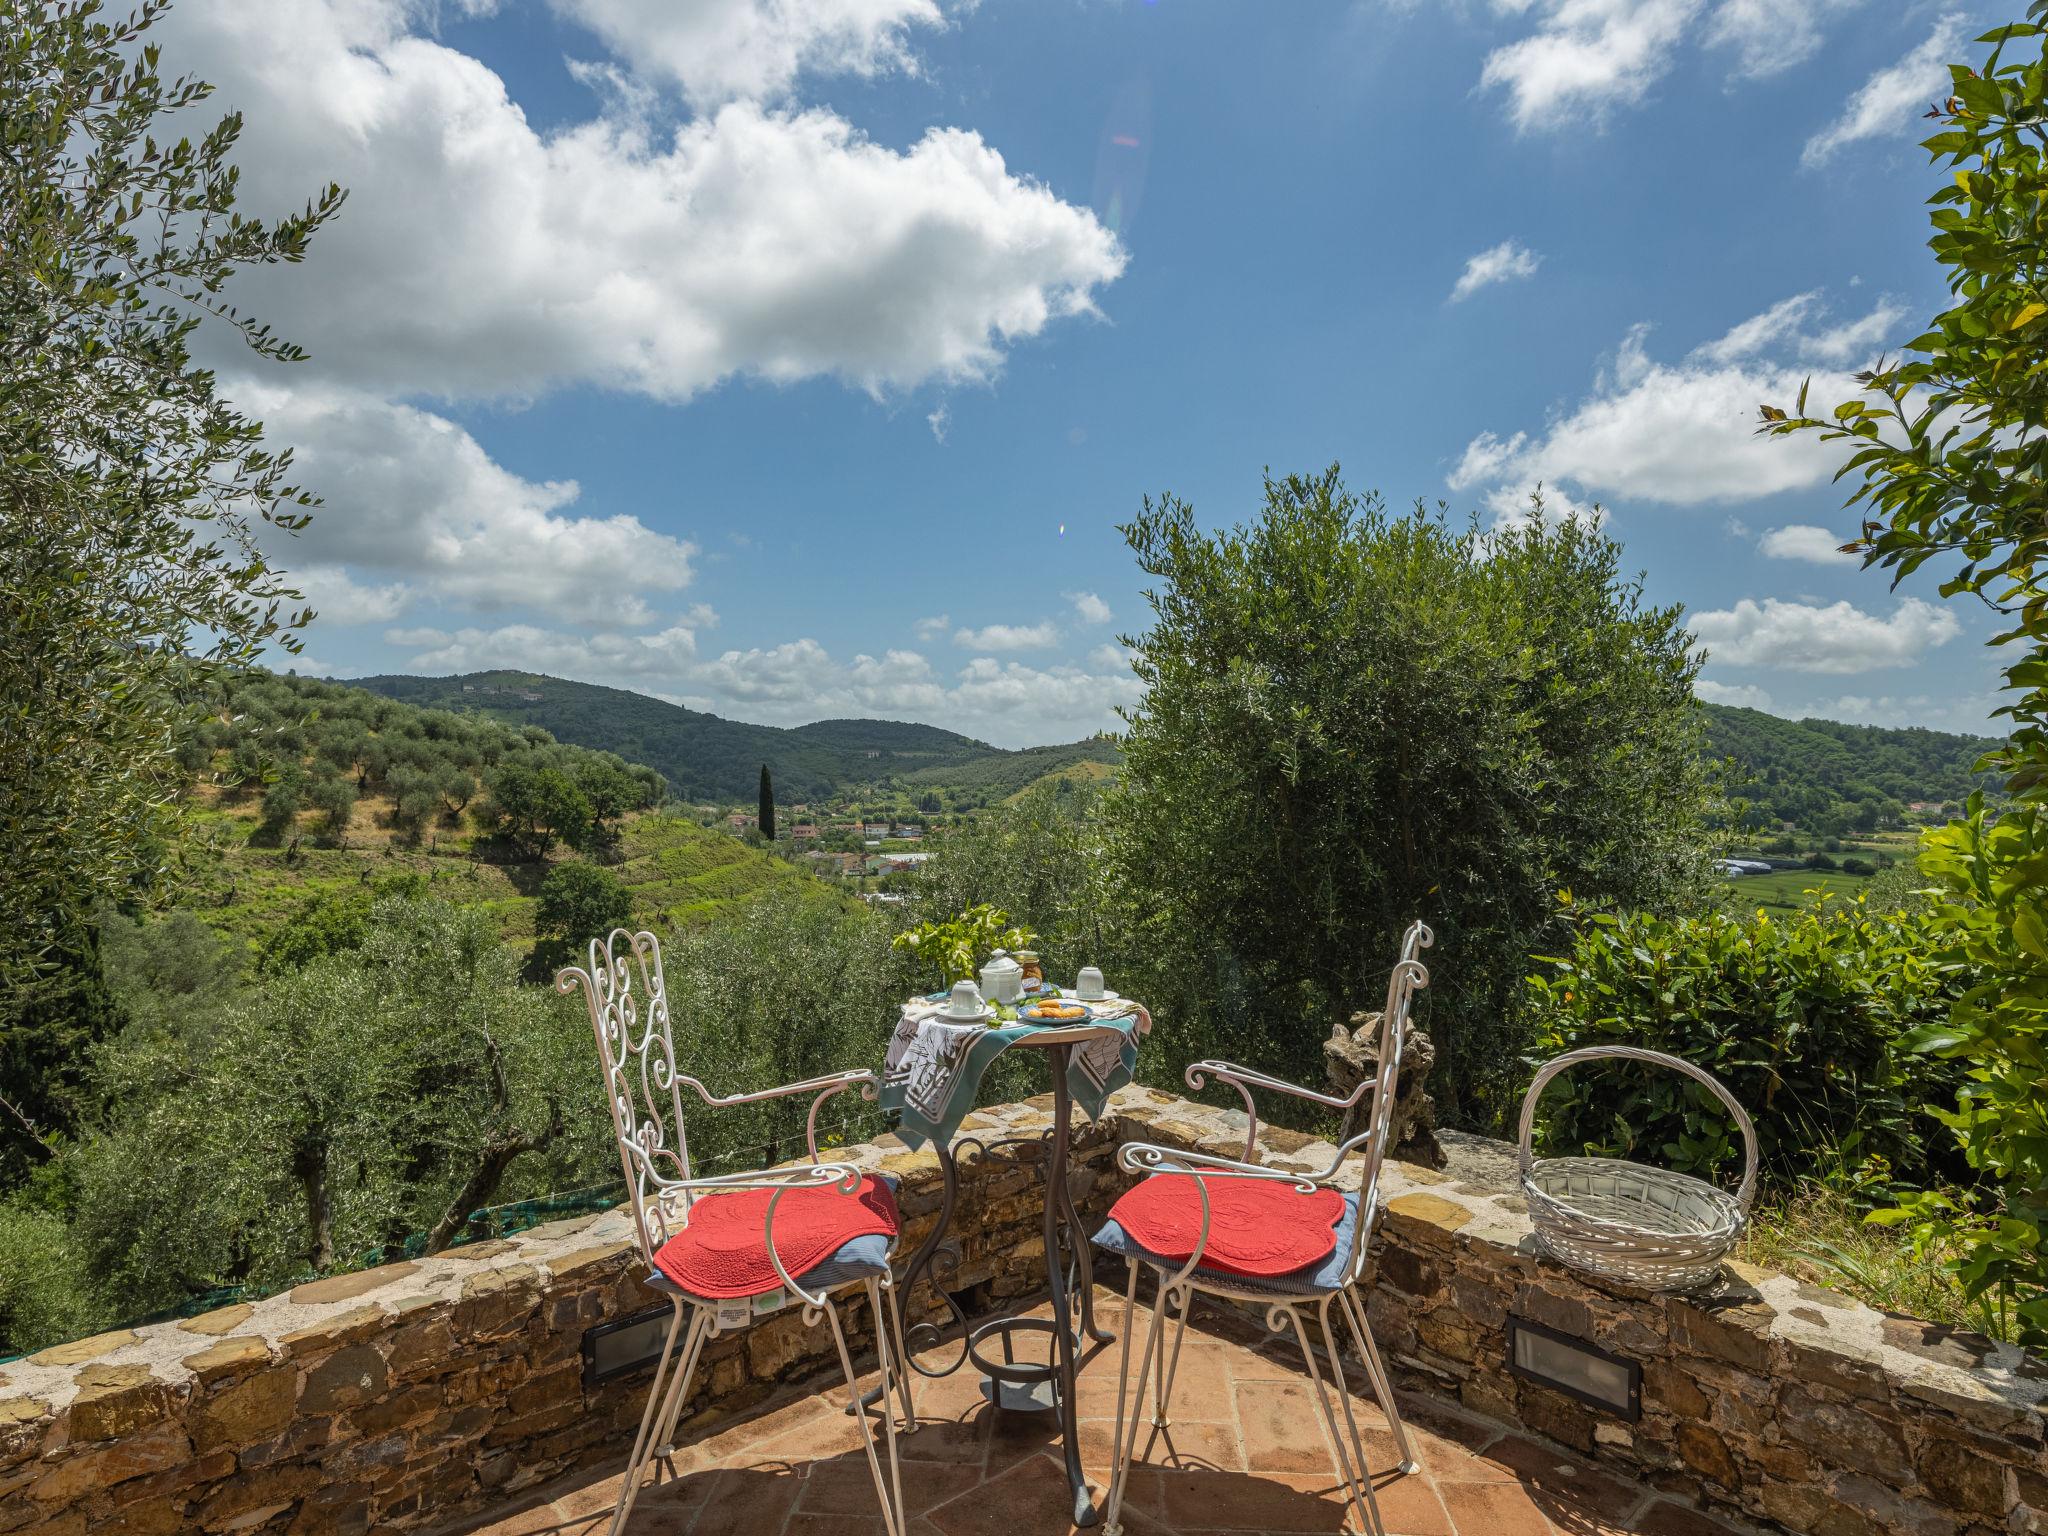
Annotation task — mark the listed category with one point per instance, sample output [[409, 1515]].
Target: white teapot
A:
[[1002, 979]]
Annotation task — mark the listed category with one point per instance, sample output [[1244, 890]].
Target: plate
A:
[[1107, 997], [980, 1016]]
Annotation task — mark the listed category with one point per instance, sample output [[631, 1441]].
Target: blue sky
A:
[[757, 354]]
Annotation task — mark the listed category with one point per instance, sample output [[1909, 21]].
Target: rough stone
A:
[[350, 1327], [81, 1350], [116, 1400], [345, 1378], [159, 1449], [220, 1320], [1964, 1479], [230, 1357], [348, 1287], [1433, 1210], [252, 1409]]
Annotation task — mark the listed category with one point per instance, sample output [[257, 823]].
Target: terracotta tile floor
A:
[[1244, 1453]]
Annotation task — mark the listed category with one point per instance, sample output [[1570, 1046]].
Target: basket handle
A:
[[1551, 1068]]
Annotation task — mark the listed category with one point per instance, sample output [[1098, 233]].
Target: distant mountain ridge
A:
[[1801, 770], [708, 757]]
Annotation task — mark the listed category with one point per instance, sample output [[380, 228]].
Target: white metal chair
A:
[[1331, 1280], [629, 1014]]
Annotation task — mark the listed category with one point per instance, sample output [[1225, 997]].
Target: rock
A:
[[1351, 1057]]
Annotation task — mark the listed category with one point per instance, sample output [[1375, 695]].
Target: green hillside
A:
[[706, 757], [1817, 773], [422, 804]]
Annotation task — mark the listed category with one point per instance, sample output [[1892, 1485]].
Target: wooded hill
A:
[[1814, 772], [705, 757]]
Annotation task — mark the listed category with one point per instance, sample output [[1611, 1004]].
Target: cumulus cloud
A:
[[596, 658], [1010, 637], [478, 257], [1685, 432], [1585, 57], [340, 599], [1742, 695], [1503, 263], [1803, 541], [722, 50], [1889, 101], [932, 627], [411, 494], [1835, 639], [1770, 36], [1090, 608], [939, 420]]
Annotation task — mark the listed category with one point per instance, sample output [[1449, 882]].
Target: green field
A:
[[1788, 889]]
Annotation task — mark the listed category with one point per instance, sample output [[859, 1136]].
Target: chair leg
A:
[[665, 1387], [1172, 1363], [664, 1442], [1375, 1368], [1357, 1486], [892, 1508], [904, 1373], [1126, 1440]]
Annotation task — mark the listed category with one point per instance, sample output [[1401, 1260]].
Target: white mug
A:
[[966, 999], [1088, 985]]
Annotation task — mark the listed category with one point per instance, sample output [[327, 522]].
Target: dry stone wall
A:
[[416, 1396]]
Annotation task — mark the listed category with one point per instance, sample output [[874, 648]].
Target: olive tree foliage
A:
[[1948, 451], [1355, 719], [374, 1095], [130, 490]]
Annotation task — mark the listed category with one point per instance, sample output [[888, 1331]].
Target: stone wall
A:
[[1774, 1400], [414, 1396]]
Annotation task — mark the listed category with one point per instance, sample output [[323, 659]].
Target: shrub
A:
[[1858, 867], [578, 902], [1803, 1019], [1354, 719]]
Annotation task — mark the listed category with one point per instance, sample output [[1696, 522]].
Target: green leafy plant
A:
[[1806, 1020], [955, 948], [1949, 447]]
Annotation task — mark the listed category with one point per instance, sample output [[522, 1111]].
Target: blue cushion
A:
[[858, 1259], [1326, 1274]]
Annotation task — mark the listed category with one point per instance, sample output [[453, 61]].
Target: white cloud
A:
[[1890, 100], [934, 626], [1111, 658], [1855, 341], [1685, 433], [1771, 36], [411, 494], [939, 420], [339, 599], [1503, 263], [1803, 541], [1010, 637], [478, 257], [1837, 639], [1743, 696], [598, 658], [722, 50], [1090, 608], [1585, 57]]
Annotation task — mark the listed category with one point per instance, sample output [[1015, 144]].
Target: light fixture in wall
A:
[[626, 1345], [1610, 1382]]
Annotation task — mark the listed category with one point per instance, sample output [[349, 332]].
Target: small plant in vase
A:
[[956, 947]]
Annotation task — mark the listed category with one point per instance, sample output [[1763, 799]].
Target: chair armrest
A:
[[1244, 1079], [1148, 1157], [826, 1087]]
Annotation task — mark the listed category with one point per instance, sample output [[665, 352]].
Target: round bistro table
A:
[[1009, 1383]]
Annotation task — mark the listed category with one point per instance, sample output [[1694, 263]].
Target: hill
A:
[[421, 804], [707, 757], [1817, 773]]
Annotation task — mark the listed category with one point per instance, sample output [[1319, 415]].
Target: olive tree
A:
[[131, 491], [1353, 719]]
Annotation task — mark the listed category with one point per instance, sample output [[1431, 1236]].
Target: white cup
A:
[[1088, 985], [965, 1000]]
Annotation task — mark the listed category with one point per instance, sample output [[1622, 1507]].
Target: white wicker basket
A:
[[1650, 1227]]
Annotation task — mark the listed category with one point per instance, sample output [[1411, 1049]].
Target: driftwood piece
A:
[[1351, 1056]]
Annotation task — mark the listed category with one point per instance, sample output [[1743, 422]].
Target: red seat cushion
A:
[[721, 1253], [1256, 1226]]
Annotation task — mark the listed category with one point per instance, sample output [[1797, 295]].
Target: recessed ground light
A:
[[1580, 1370], [621, 1347]]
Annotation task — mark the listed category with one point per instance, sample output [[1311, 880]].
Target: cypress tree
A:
[[767, 805]]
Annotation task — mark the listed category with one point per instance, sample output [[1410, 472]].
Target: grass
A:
[[1820, 1236], [1787, 889]]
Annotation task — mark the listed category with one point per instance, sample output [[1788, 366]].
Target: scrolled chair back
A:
[[1409, 976], [628, 1002]]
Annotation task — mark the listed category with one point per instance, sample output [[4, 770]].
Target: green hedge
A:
[[1801, 1017]]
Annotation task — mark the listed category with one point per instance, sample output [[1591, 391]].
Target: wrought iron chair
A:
[[1332, 1280], [629, 1014]]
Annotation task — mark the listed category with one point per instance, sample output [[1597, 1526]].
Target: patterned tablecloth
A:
[[934, 1068]]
